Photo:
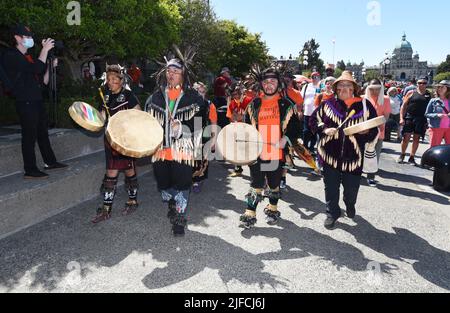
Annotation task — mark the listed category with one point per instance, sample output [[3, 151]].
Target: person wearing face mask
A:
[[117, 98], [341, 156], [27, 75]]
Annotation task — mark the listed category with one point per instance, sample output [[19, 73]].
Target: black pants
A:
[[172, 175], [333, 179], [309, 139], [222, 119], [259, 174], [34, 123]]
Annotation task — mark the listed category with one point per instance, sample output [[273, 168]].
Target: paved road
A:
[[398, 243]]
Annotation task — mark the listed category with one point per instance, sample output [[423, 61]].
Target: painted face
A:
[[174, 76], [114, 83], [270, 86]]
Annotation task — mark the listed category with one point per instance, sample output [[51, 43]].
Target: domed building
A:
[[405, 65]]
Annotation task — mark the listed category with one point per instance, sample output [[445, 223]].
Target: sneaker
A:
[[236, 174], [36, 174], [351, 213], [330, 223], [272, 217], [412, 161], [283, 185], [401, 159], [371, 182], [55, 166], [130, 207], [247, 221], [172, 210], [179, 225], [103, 214], [196, 188]]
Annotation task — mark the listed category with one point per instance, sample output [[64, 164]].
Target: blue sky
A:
[[286, 24]]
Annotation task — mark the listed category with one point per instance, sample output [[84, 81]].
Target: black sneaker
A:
[[55, 166], [412, 161], [401, 159], [247, 221], [330, 223], [179, 225], [36, 174], [371, 182], [271, 216]]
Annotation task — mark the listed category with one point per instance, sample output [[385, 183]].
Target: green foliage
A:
[[242, 49], [372, 74], [120, 28], [444, 67], [314, 60], [338, 72], [442, 76], [341, 65]]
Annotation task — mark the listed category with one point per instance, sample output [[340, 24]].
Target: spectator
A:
[[438, 114], [27, 75], [412, 118]]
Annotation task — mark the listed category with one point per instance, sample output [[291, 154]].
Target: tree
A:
[[243, 49], [442, 76], [372, 74], [314, 60], [199, 28], [444, 67], [121, 28], [341, 65], [338, 72]]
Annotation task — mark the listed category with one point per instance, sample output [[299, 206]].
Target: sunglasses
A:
[[423, 83]]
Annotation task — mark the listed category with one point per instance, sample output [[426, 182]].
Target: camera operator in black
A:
[[27, 74]]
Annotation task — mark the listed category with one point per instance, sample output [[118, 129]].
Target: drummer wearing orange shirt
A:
[[276, 119]]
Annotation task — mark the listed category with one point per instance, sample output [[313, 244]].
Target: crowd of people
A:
[[284, 108]]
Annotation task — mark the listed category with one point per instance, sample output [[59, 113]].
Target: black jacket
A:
[[25, 77]]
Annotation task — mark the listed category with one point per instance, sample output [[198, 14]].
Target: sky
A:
[[362, 29]]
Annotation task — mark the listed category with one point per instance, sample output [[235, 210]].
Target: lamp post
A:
[[305, 55], [386, 62]]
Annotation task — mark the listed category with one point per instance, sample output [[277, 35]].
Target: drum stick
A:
[[104, 102], [353, 112], [249, 141]]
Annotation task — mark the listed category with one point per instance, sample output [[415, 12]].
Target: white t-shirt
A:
[[309, 97], [395, 105]]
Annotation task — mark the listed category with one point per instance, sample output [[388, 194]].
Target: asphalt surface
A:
[[399, 242]]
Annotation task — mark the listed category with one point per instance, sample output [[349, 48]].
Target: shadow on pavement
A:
[[431, 263]]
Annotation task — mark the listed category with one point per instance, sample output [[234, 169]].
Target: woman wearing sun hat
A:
[[342, 156]]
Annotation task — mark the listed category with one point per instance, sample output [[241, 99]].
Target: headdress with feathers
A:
[[120, 71], [178, 59]]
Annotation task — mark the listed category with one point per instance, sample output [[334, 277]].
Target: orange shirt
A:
[[295, 96], [212, 113], [321, 98], [174, 94], [236, 107], [269, 127]]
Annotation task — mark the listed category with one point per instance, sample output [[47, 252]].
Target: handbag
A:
[[370, 163]]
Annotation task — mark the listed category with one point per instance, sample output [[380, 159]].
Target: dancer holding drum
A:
[[117, 99], [175, 105], [342, 155], [276, 119]]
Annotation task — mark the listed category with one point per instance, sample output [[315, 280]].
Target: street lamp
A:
[[364, 73], [305, 58], [386, 62]]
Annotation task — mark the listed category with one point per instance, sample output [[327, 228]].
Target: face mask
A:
[[28, 43]]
